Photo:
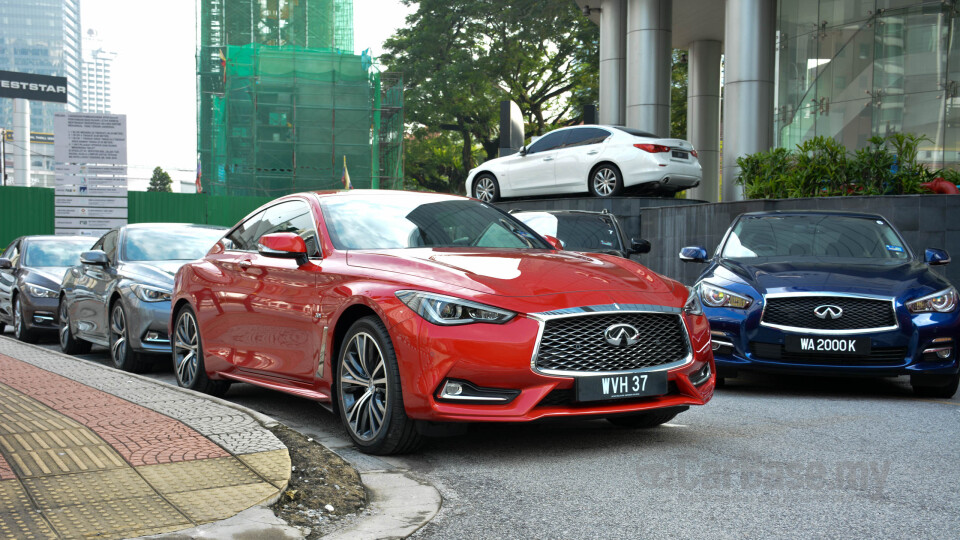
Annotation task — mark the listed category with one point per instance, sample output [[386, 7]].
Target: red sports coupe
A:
[[404, 310]]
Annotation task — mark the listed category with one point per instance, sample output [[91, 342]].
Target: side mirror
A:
[[936, 257], [284, 245], [523, 151], [554, 241], [639, 246], [94, 257], [6, 264], [693, 254]]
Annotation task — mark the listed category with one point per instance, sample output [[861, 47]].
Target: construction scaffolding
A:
[[282, 104]]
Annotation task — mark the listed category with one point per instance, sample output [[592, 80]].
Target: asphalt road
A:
[[769, 457]]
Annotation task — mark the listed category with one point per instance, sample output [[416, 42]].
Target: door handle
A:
[[592, 152], [244, 264], [548, 159]]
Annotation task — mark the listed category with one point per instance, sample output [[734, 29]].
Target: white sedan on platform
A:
[[602, 160]]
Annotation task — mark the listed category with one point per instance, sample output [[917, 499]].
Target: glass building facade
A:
[[41, 37], [853, 69]]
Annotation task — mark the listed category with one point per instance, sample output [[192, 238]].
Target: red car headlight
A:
[[450, 311]]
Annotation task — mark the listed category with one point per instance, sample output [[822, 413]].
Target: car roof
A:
[[169, 225], [841, 213], [58, 237], [562, 211], [379, 193]]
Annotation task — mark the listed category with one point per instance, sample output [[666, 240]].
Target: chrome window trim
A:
[[814, 331], [607, 309]]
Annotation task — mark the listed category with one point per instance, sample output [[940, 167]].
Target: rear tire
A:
[[123, 356], [369, 395], [21, 329], [605, 181], [70, 344], [943, 387], [188, 365], [486, 188], [645, 420]]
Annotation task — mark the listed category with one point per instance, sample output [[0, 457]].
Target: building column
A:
[[21, 141], [648, 65], [703, 115], [612, 58], [750, 27]]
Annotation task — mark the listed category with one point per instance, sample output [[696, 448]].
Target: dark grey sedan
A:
[[119, 294], [31, 269]]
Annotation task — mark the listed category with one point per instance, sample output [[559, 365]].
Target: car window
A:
[[54, 252], [169, 242], [585, 136], [291, 216], [549, 141], [110, 245], [244, 236], [578, 232], [13, 252]]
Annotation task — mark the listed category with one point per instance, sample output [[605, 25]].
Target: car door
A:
[[580, 152], [8, 281], [89, 309], [534, 173], [283, 302]]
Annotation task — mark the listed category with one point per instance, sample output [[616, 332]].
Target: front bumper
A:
[[147, 324], [39, 313], [499, 357], [746, 345]]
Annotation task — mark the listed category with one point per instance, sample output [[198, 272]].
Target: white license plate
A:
[[835, 345], [630, 385], [677, 154]]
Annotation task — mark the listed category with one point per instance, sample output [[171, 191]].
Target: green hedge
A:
[[822, 167]]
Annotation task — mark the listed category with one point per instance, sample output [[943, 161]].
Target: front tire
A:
[[69, 343], [645, 420], [605, 181], [486, 188], [123, 356], [369, 396], [188, 363], [943, 387], [21, 330]]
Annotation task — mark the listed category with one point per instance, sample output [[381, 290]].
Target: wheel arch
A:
[[350, 315], [473, 181]]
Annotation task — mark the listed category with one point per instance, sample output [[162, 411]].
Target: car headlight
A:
[[37, 291], [449, 311], [693, 306], [714, 296], [150, 294], [943, 301]]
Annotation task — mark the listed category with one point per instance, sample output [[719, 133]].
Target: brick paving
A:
[[86, 450]]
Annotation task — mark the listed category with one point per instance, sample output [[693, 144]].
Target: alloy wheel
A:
[[17, 318], [485, 189], [118, 326], [363, 386], [185, 346], [605, 181], [64, 325]]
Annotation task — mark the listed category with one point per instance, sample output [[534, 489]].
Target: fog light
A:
[[942, 348], [701, 376], [720, 340], [464, 392], [155, 337], [945, 352]]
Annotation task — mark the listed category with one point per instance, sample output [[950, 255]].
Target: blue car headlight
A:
[[714, 296], [150, 294], [448, 311], [943, 301]]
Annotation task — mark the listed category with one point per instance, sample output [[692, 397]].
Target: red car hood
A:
[[516, 273]]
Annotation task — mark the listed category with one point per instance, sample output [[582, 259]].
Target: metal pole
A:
[[21, 140], [3, 156]]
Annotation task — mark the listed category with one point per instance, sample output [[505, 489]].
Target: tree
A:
[[160, 181], [460, 58], [678, 95]]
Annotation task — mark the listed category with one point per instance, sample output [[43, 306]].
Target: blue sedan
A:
[[832, 293]]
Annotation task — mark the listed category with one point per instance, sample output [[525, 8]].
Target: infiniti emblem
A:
[[621, 335], [828, 312]]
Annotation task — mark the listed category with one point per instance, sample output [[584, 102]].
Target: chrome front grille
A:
[[859, 314], [578, 344]]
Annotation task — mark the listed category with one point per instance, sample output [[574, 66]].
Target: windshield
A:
[[814, 235], [409, 222], [578, 232], [169, 243], [55, 252]]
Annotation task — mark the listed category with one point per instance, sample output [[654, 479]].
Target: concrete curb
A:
[[398, 506]]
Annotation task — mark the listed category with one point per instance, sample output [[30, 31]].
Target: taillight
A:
[[694, 154], [653, 148]]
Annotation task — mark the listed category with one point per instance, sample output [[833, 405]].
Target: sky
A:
[[154, 74]]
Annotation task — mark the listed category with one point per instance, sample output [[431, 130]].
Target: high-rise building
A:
[[285, 105], [95, 74], [41, 37]]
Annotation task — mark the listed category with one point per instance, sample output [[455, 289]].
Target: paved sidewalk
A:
[[87, 451]]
